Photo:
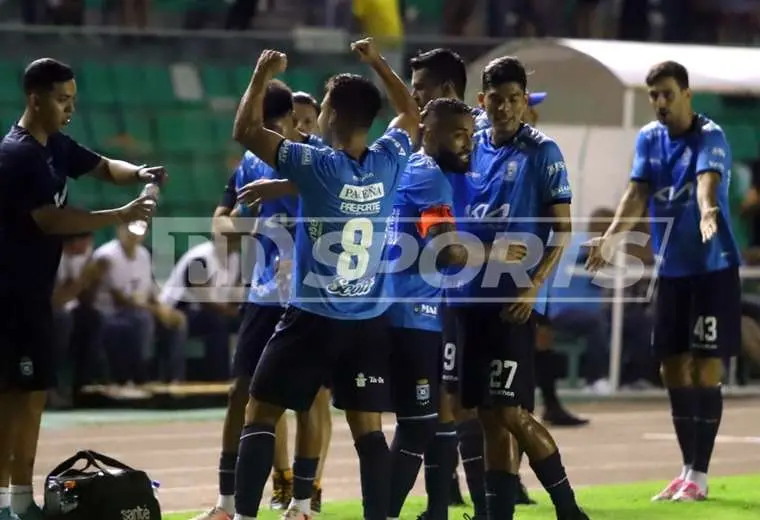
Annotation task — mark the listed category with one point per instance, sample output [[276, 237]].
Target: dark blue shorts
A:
[[451, 355], [256, 327], [700, 314], [497, 358], [27, 357], [309, 351], [415, 373]]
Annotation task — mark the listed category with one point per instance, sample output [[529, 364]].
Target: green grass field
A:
[[732, 498]]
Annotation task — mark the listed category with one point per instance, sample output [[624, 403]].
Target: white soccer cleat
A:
[[669, 492], [690, 492]]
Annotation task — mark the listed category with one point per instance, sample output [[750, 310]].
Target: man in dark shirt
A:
[[35, 161]]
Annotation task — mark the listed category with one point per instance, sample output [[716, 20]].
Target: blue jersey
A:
[[510, 186], [275, 232], [671, 166], [423, 190], [340, 236]]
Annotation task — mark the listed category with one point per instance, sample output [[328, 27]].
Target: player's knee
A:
[[513, 418], [708, 372], [238, 394], [415, 436], [464, 415], [677, 371], [362, 423], [446, 408], [262, 413]]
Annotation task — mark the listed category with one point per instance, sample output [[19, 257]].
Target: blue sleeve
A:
[[431, 190], [229, 196], [640, 167], [391, 151], [246, 172], [302, 163], [81, 160], [714, 153], [551, 164]]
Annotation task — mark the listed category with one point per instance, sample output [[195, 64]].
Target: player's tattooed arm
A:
[[248, 128], [629, 211], [260, 190], [120, 173], [458, 253], [400, 97]]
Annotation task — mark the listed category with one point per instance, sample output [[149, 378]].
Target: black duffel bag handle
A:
[[93, 458]]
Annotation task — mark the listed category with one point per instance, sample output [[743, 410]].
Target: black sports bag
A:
[[105, 489]]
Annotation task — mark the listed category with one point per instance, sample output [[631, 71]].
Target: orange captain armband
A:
[[432, 216]]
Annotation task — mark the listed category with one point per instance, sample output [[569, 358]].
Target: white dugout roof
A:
[[601, 82]]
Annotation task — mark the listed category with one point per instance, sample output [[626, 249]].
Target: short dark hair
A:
[[443, 65], [506, 69], [446, 107], [305, 98], [355, 99], [668, 69], [278, 100], [41, 75]]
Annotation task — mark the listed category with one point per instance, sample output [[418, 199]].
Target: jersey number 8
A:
[[355, 241]]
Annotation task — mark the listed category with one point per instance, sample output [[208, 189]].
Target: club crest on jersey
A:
[[26, 367], [354, 288], [423, 392], [512, 167]]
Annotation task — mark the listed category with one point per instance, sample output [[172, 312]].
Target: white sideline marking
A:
[[720, 439]]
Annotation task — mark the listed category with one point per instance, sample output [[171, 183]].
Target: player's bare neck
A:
[[503, 137], [680, 128], [34, 128], [353, 145]]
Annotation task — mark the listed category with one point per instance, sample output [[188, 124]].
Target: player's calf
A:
[[470, 435], [708, 412], [282, 475], [543, 454], [677, 376], [27, 434], [410, 442], [307, 451], [374, 461]]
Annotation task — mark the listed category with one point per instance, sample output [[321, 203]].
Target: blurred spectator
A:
[[583, 315], [633, 23], [134, 322], [456, 16], [75, 353], [203, 286], [56, 12], [240, 14], [135, 13]]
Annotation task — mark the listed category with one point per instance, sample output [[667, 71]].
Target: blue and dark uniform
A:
[[274, 238], [698, 304], [334, 328], [424, 199], [32, 175], [508, 189]]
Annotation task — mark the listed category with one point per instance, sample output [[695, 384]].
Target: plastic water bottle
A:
[[139, 227]]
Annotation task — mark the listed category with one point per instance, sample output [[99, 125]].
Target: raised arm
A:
[[248, 128], [407, 111]]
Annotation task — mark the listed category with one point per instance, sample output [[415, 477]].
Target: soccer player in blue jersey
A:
[[274, 237], [423, 206], [36, 159], [441, 73], [334, 328], [681, 171], [518, 175]]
